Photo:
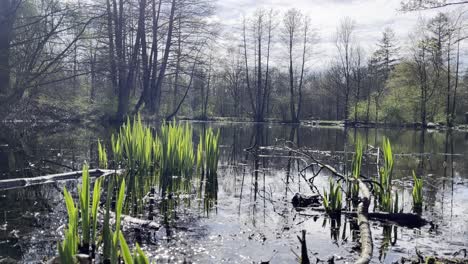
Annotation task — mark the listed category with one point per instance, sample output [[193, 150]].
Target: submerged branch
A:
[[24, 182]]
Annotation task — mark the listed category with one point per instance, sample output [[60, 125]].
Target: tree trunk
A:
[[156, 93], [258, 98], [7, 17], [292, 107]]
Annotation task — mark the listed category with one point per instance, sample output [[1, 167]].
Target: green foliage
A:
[[108, 247], [417, 194], [177, 158], [83, 192], [384, 194], [102, 154], [332, 200], [138, 257], [401, 102], [69, 246], [207, 165], [95, 206], [357, 164]]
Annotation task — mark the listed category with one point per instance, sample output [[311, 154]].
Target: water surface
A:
[[253, 219]]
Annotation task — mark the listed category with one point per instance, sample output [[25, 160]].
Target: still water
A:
[[253, 220]]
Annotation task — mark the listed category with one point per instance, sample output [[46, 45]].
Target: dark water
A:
[[254, 220]]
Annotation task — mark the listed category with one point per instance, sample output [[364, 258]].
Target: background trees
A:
[[169, 58]]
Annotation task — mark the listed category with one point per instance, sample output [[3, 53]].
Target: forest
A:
[[233, 131], [166, 59]]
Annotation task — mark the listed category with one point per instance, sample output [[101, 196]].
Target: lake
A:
[[253, 219]]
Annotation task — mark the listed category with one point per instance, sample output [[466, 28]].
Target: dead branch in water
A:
[[363, 206], [364, 227], [24, 182]]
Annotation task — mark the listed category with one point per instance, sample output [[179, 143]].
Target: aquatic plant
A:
[[69, 246], [83, 194], [207, 166], [107, 232], [94, 211], [353, 188], [177, 157], [384, 193], [116, 145], [134, 145], [138, 257], [102, 154], [417, 194], [118, 214], [332, 200], [86, 216]]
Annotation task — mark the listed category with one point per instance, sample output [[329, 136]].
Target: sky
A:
[[371, 18]]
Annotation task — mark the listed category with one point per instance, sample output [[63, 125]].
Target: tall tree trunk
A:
[[247, 70], [123, 93], [145, 61], [258, 98], [149, 84], [156, 93], [110, 36], [292, 107], [449, 77], [7, 17], [301, 79], [454, 109], [178, 59]]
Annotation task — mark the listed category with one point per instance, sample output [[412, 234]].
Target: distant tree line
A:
[[169, 58]]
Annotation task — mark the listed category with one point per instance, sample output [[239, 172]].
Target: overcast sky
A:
[[371, 17]]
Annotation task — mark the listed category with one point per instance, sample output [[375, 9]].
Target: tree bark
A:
[[156, 93], [7, 17]]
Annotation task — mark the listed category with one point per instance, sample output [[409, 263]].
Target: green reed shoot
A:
[[83, 193], [116, 148], [385, 178], [118, 215], [357, 163], [94, 210], [176, 156], [102, 153], [207, 165], [107, 232], [138, 257], [417, 194], [69, 246], [332, 200]]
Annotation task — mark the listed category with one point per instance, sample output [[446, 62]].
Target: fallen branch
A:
[[24, 182], [401, 219], [364, 227], [133, 221]]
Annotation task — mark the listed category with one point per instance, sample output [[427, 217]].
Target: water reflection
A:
[[246, 214]]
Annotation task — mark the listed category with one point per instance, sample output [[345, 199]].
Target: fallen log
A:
[[409, 220], [24, 182], [130, 221], [364, 227], [301, 200]]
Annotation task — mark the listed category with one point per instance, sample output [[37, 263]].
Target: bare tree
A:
[[344, 44]]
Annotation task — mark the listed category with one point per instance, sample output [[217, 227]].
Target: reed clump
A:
[[387, 202], [207, 166], [82, 229], [332, 200], [353, 186], [417, 194], [175, 150]]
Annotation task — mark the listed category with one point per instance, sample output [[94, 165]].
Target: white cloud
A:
[[371, 17]]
